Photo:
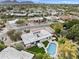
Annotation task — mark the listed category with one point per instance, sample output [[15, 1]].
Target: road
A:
[[32, 26]]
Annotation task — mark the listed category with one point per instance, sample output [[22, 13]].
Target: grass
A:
[[36, 50], [45, 43]]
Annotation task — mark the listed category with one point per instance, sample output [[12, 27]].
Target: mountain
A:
[[16, 2], [27, 2], [8, 1]]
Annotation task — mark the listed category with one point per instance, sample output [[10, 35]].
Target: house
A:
[[14, 25], [34, 14], [60, 11], [43, 19], [16, 13], [36, 36], [36, 19], [61, 21], [11, 24], [52, 18], [52, 12], [12, 53], [65, 17]]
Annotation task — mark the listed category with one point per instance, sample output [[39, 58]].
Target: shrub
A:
[[19, 46], [2, 46]]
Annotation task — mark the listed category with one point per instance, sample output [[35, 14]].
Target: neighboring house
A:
[[74, 17], [65, 17], [52, 18], [12, 53], [16, 13], [35, 19], [34, 14], [61, 21], [52, 12], [11, 24], [60, 11], [43, 19], [37, 11], [34, 37]]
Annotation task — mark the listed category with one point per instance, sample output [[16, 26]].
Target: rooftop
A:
[[35, 18], [35, 36], [12, 53]]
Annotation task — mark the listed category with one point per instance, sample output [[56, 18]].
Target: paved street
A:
[[32, 26]]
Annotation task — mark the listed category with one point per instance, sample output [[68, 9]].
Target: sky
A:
[[53, 1]]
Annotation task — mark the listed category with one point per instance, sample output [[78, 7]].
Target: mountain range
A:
[[16, 2]]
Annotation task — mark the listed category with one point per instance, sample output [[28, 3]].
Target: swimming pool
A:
[[51, 49]]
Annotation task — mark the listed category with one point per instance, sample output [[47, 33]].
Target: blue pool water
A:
[[51, 49]]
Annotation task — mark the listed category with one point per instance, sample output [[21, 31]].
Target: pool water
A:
[[51, 49]]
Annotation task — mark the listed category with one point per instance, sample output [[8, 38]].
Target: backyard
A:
[[35, 49]]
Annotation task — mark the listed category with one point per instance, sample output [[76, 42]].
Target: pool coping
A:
[[55, 55]]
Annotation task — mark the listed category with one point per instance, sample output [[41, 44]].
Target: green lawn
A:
[[36, 50]]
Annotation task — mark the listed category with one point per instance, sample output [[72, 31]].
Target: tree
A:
[[14, 35], [38, 56], [67, 50], [73, 33], [69, 24], [2, 46], [57, 27], [27, 31], [3, 10], [19, 46], [21, 21], [42, 56], [2, 24], [9, 8]]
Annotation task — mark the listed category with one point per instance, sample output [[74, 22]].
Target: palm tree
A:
[[67, 50]]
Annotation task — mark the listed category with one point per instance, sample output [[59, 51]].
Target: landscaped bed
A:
[[45, 43]]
